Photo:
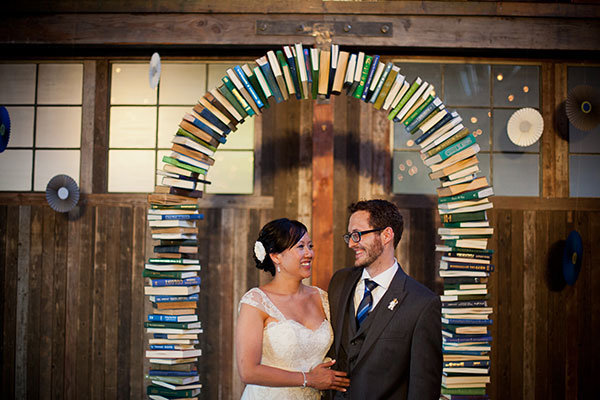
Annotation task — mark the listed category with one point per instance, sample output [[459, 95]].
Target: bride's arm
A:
[[248, 342]]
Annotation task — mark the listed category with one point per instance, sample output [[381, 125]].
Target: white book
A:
[[208, 105], [174, 331], [472, 310], [192, 144], [464, 179], [276, 68], [432, 121], [461, 155], [172, 267], [158, 211], [171, 290], [411, 101], [467, 260], [349, 79], [376, 77], [217, 95], [177, 387], [458, 274], [398, 82], [479, 207], [189, 160], [158, 236], [401, 93], [263, 82], [172, 223], [359, 66], [465, 203], [172, 361], [442, 137]]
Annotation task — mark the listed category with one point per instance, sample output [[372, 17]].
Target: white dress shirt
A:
[[383, 281]]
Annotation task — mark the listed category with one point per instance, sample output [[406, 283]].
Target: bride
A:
[[283, 331]]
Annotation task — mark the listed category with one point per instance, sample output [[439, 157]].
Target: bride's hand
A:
[[322, 377]]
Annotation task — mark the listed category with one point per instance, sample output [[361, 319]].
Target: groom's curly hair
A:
[[382, 214], [276, 236]]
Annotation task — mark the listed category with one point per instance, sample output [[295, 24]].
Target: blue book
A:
[[466, 321], [201, 125], [158, 372], [424, 114], [370, 78], [307, 64], [163, 347], [176, 282], [248, 86], [170, 299], [172, 318], [469, 338], [293, 71], [470, 363], [212, 118], [447, 117], [178, 216], [265, 67]]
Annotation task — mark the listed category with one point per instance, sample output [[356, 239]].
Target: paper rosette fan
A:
[[583, 107], [4, 128], [525, 127], [154, 73], [62, 193]]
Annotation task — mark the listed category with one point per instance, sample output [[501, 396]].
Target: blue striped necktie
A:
[[366, 303]]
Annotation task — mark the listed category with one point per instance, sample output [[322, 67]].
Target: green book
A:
[[462, 217], [238, 95], [314, 61], [450, 141], [386, 87], [224, 90], [418, 111], [183, 132], [173, 394], [472, 195], [449, 151], [255, 84], [177, 163], [147, 273], [464, 391], [363, 77], [413, 88]]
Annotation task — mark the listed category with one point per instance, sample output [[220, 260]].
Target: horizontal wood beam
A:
[[482, 8], [209, 30]]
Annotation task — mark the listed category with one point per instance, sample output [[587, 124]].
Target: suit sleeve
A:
[[426, 354]]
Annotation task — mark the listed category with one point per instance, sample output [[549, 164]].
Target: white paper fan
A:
[[154, 73], [525, 127]]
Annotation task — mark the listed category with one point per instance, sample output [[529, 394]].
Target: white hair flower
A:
[[259, 251]]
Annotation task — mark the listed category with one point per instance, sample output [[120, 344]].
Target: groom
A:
[[387, 328]]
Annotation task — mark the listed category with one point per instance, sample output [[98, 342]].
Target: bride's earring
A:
[[278, 268]]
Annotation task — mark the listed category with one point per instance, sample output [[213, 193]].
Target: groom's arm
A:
[[426, 354]]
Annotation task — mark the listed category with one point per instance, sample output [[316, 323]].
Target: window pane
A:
[[182, 83], [467, 85], [233, 173], [131, 170], [242, 139], [21, 126], [60, 83], [402, 137], [58, 127], [49, 163], [583, 176], [516, 86], [18, 83], [216, 72], [168, 123], [478, 122], [133, 127], [484, 166], [431, 73], [516, 174], [584, 141], [130, 84], [410, 175], [15, 170], [501, 142]]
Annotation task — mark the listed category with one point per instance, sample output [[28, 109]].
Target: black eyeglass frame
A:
[[351, 235]]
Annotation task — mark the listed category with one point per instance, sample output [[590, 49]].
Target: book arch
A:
[[446, 146]]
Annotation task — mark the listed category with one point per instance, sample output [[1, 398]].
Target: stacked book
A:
[[173, 286]]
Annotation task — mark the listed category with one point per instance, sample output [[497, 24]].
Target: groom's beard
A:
[[372, 252]]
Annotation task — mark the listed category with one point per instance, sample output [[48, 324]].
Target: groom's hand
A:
[[322, 377]]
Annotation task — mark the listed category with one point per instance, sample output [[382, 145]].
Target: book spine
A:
[[172, 299], [162, 318], [270, 77], [181, 216], [483, 338], [162, 274], [461, 134], [177, 163], [464, 303], [451, 150], [363, 77], [369, 80], [466, 267], [262, 81], [386, 71], [238, 96], [175, 282], [385, 89], [407, 122], [225, 92], [473, 195], [294, 73], [212, 118], [159, 372], [285, 70], [464, 321], [163, 391], [446, 116], [164, 347], [255, 84], [413, 126], [413, 88], [307, 65], [314, 62], [169, 325], [333, 66], [464, 254], [472, 364]]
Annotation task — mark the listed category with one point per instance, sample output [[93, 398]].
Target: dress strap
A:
[[324, 301], [259, 299]]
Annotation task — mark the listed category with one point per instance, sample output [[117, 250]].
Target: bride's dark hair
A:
[[277, 236]]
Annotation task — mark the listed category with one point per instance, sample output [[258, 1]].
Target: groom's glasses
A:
[[357, 235]]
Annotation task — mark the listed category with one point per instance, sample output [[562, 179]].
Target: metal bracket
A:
[[311, 28]]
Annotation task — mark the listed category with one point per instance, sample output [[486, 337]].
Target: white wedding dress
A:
[[289, 345]]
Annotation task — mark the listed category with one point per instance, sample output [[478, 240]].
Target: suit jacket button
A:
[[353, 342]]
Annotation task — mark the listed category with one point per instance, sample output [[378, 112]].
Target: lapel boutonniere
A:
[[393, 304]]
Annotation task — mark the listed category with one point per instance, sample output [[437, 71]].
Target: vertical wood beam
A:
[[322, 193]]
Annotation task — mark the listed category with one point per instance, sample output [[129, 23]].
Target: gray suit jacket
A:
[[401, 356]]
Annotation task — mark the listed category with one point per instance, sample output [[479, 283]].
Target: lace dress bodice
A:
[[289, 345]]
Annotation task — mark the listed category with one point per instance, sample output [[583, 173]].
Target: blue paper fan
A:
[[572, 257], [4, 128]]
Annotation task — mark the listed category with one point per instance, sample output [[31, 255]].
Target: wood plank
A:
[[125, 268], [542, 315], [85, 315], [22, 301], [571, 324], [47, 303], [380, 140], [102, 217], [137, 346], [492, 388], [3, 238], [111, 302], [225, 342], [35, 303], [9, 300], [594, 258], [502, 321], [71, 307], [61, 233], [322, 192], [515, 291], [366, 151], [305, 153], [477, 32], [529, 303]]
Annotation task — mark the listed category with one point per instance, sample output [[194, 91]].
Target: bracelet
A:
[[305, 381]]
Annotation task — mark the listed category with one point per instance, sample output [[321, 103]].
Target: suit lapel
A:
[[346, 295], [382, 314]]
